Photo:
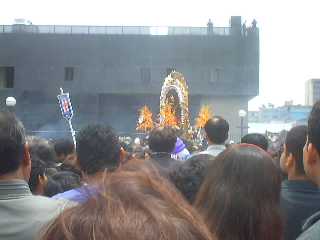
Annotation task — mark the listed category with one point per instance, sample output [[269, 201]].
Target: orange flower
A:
[[204, 115], [145, 122]]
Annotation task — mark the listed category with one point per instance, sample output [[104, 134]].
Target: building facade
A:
[[312, 91], [111, 72]]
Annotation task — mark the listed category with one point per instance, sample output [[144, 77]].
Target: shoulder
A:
[[39, 208], [43, 199], [311, 228], [79, 195]]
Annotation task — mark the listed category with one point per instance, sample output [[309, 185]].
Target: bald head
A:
[[217, 130]]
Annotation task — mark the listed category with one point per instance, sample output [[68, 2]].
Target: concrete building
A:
[[111, 72], [312, 91]]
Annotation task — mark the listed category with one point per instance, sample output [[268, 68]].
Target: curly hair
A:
[[188, 176], [98, 148]]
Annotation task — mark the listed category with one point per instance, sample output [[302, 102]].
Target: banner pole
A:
[[67, 112], [73, 133]]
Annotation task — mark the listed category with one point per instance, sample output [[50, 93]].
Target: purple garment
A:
[[79, 195], [179, 146]]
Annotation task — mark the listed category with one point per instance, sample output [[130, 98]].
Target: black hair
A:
[[256, 139], [98, 148], [12, 143], [42, 149], [217, 130], [64, 146], [162, 140], [314, 126], [67, 180], [52, 188], [295, 141], [66, 167], [240, 196], [38, 168], [188, 176]]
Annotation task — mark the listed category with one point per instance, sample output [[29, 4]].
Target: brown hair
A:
[[240, 196], [133, 205]]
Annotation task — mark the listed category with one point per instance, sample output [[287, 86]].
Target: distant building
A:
[[312, 91], [288, 113]]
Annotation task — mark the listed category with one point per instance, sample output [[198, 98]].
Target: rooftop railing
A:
[[112, 30]]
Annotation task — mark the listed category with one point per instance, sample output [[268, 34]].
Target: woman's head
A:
[[239, 198], [133, 205]]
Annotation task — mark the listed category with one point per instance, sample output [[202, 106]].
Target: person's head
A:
[[291, 161], [188, 176], [14, 154], [98, 149], [311, 157], [239, 198], [138, 152], [256, 139], [42, 149], [162, 140], [133, 205], [38, 179], [65, 151], [217, 130]]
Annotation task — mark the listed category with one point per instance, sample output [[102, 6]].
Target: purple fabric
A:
[[179, 146], [79, 195]]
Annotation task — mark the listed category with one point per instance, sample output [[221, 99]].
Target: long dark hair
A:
[[240, 196]]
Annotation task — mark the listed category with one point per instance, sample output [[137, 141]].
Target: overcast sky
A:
[[289, 30]]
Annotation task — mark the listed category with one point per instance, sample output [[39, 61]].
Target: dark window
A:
[[145, 74], [212, 77], [218, 74], [6, 77], [68, 73]]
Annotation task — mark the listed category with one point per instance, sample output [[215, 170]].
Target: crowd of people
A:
[[159, 189]]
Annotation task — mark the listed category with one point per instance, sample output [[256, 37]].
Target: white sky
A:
[[289, 30]]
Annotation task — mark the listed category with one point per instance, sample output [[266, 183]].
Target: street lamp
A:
[[10, 103], [242, 114]]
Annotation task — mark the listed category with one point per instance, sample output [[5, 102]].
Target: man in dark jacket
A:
[[161, 143], [300, 198], [311, 161]]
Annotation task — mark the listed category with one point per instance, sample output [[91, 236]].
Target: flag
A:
[[65, 106]]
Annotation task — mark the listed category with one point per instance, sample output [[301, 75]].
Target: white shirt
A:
[[214, 150]]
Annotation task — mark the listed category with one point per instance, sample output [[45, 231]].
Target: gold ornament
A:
[[176, 83], [168, 116]]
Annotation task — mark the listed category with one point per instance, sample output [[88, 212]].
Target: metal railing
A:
[[111, 30]]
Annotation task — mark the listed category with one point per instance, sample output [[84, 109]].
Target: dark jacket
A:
[[164, 163], [299, 200]]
